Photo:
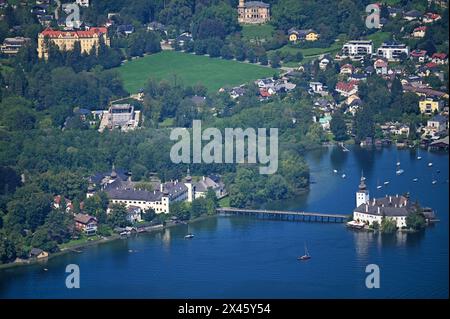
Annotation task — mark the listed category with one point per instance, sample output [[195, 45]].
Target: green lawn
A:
[[310, 53], [378, 38], [257, 32], [189, 69]]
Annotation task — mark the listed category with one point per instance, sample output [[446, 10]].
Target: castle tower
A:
[[362, 195], [241, 11]]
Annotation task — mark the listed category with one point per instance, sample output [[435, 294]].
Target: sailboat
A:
[[189, 235], [306, 256], [378, 184], [433, 180]]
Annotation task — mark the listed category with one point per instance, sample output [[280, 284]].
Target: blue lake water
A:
[[240, 257]]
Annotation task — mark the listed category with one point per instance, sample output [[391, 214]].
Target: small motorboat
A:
[[189, 236], [419, 157], [398, 163], [335, 171], [399, 172], [415, 179], [344, 176], [434, 182], [386, 183], [430, 164]]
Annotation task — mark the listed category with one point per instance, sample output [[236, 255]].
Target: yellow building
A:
[[428, 106], [253, 12], [302, 35], [65, 40]]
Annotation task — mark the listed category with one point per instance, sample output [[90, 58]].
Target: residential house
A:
[[430, 17], [38, 253], [316, 87], [356, 50], [358, 77], [325, 122], [425, 92], [265, 83], [347, 88], [237, 92], [157, 26], [439, 58], [125, 29], [302, 35], [412, 15], [401, 129], [323, 64], [381, 67], [419, 32], [86, 224], [393, 51], [184, 38], [83, 3], [419, 55], [429, 106], [346, 69], [13, 45], [134, 214], [209, 182], [394, 12], [437, 124]]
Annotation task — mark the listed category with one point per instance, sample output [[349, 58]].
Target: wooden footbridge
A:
[[285, 215]]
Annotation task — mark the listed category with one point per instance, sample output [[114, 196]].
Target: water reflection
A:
[[365, 240]]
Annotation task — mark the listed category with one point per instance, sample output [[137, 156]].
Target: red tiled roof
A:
[[421, 28], [431, 65], [79, 34], [440, 56], [264, 93], [433, 16], [418, 53], [346, 86]]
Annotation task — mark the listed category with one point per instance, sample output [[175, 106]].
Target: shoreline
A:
[[103, 240]]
